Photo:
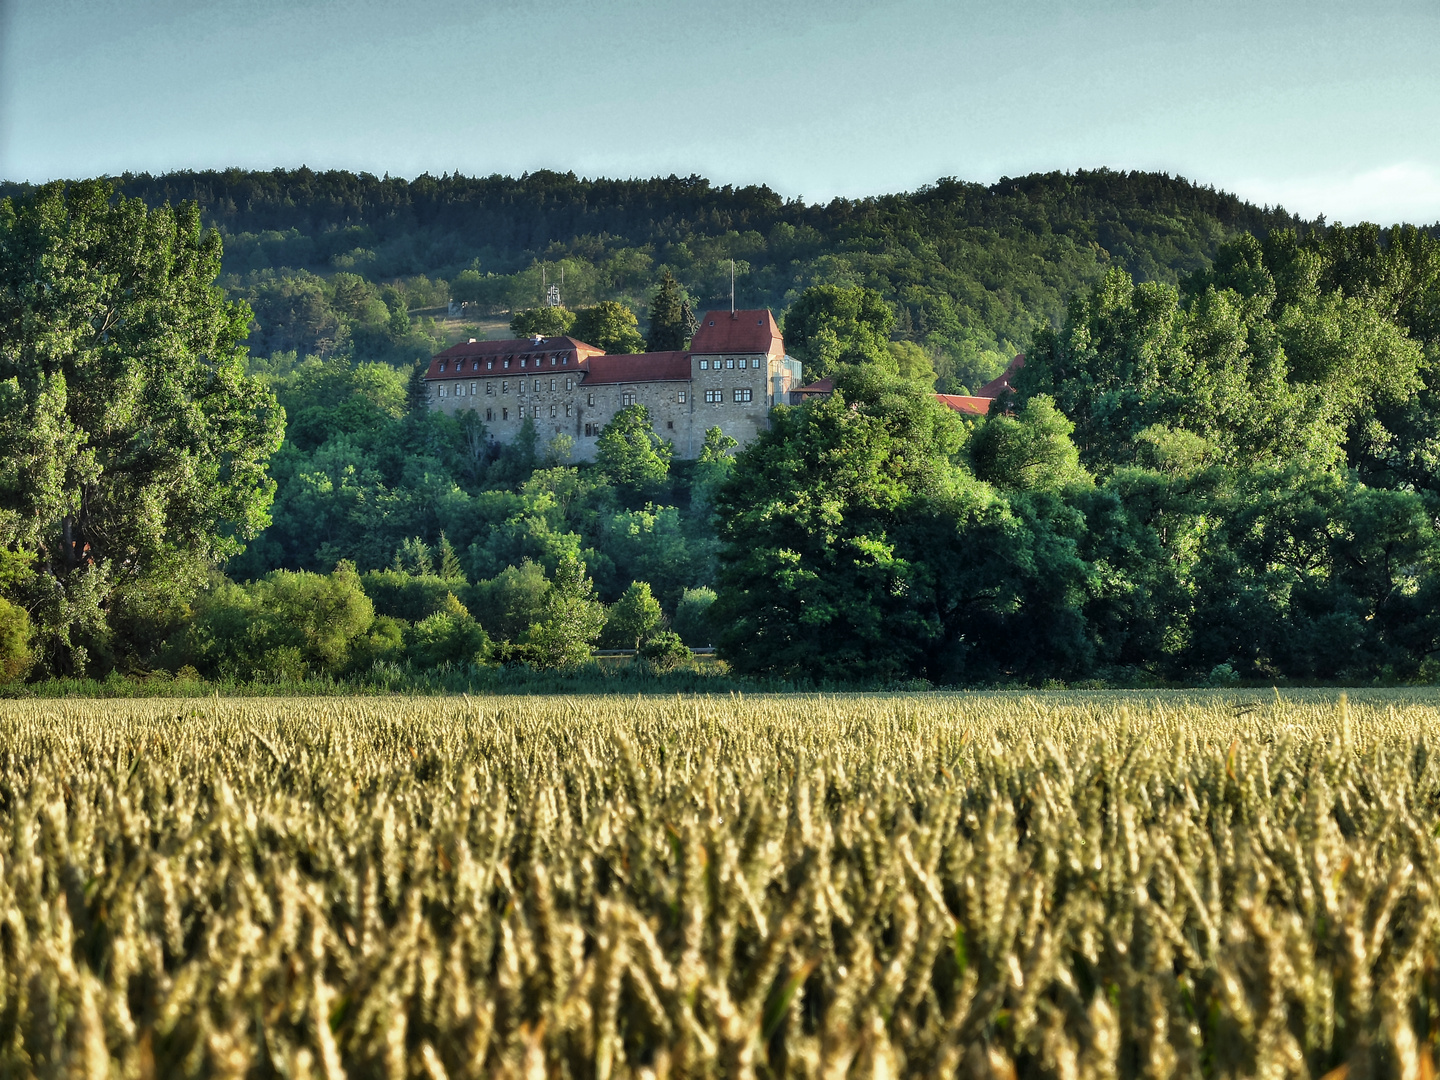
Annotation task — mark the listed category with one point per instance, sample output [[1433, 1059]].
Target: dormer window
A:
[[442, 365], [505, 364], [489, 365]]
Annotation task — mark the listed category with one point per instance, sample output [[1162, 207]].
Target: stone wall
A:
[[680, 411]]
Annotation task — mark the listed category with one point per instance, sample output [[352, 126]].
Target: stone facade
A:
[[734, 372]]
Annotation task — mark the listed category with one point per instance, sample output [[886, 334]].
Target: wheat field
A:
[[1068, 885]]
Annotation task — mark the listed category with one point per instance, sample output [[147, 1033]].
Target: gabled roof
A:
[[962, 403], [738, 332], [636, 367], [998, 385], [514, 348]]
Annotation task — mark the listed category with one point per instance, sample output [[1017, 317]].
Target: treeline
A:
[[1234, 474], [332, 263], [1231, 479]]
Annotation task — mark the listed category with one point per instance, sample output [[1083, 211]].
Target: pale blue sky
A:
[[1325, 107]]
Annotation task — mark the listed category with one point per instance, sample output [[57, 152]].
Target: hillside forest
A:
[[1219, 461]]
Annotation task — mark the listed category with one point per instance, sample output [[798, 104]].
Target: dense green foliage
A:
[[133, 445], [1193, 886], [334, 262], [1220, 460], [1235, 477]]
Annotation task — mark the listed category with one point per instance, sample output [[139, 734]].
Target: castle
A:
[[733, 373]]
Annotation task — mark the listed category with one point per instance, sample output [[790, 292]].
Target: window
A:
[[537, 386], [472, 389], [442, 391], [729, 363], [590, 400], [564, 360], [627, 398], [505, 387], [704, 365], [589, 430], [714, 397], [742, 394], [552, 386], [670, 424], [552, 412], [442, 365], [505, 364], [567, 408], [569, 384], [755, 362], [489, 365], [521, 386], [504, 414], [490, 386], [680, 397], [522, 360], [553, 359], [489, 414]]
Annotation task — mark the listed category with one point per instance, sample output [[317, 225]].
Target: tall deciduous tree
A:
[[832, 325], [542, 322], [610, 326], [634, 617], [571, 620], [133, 447]]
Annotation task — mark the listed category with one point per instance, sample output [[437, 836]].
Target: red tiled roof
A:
[[998, 385], [637, 367], [498, 350], [970, 406], [738, 332]]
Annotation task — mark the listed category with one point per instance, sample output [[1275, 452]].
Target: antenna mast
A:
[[732, 286]]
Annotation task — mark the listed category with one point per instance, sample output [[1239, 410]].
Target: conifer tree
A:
[[670, 319], [449, 561]]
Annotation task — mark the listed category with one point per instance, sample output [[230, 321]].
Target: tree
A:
[[914, 362], [717, 446], [691, 621], [629, 451], [133, 447], [542, 322], [664, 650], [671, 323], [15, 658], [830, 325], [570, 621], [449, 561], [1028, 452], [449, 637], [633, 618], [610, 326], [287, 625]]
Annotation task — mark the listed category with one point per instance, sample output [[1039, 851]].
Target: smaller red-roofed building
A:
[[976, 404]]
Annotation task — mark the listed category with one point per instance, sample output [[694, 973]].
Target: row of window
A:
[[717, 397], [535, 411], [740, 394], [563, 359], [504, 387], [754, 363]]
